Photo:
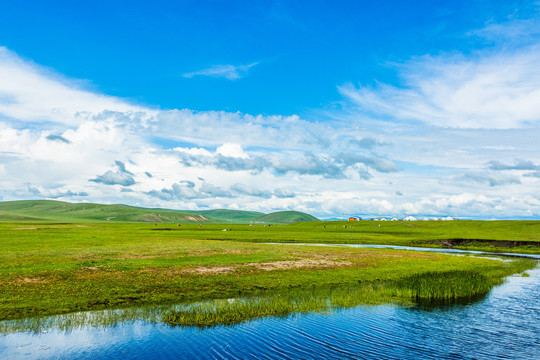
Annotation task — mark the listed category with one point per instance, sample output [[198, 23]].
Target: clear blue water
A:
[[503, 325]]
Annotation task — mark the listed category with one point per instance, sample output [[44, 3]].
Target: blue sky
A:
[[303, 50], [331, 107]]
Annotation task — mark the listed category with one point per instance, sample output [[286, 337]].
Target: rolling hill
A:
[[58, 211], [284, 217]]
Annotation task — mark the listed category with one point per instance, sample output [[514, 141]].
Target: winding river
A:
[[503, 325]]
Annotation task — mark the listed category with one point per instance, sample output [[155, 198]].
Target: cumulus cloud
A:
[[518, 165], [310, 164], [367, 142], [186, 190], [211, 190], [492, 180], [283, 193], [534, 174], [306, 163], [229, 72], [246, 190], [54, 193], [374, 162], [58, 138], [178, 191], [119, 177], [232, 150]]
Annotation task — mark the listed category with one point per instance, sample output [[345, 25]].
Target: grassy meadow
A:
[[59, 268]]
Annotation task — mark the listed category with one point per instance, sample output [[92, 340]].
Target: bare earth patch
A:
[[141, 256], [49, 227], [196, 218], [31, 280], [270, 266], [220, 252], [210, 270], [294, 264], [93, 268]]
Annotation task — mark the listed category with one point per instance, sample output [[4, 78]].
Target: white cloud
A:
[[489, 90], [232, 150], [230, 72], [513, 32], [31, 93], [119, 177]]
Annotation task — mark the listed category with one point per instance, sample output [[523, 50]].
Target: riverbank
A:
[[50, 269]]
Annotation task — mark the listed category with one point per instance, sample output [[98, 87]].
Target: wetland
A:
[[64, 279]]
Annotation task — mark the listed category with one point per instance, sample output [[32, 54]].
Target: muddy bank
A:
[[499, 243]]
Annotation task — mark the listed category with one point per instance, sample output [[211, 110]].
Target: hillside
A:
[[58, 211], [49, 210], [229, 215], [285, 217]]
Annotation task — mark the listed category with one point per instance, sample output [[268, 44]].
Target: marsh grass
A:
[[437, 288], [444, 285]]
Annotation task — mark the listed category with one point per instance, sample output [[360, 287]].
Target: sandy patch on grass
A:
[[31, 280], [173, 253], [143, 256], [295, 264], [211, 270], [220, 252], [196, 218], [269, 266], [93, 268], [49, 227]]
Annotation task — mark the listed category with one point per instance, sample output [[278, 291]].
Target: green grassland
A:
[[48, 268], [61, 258], [58, 211], [495, 236]]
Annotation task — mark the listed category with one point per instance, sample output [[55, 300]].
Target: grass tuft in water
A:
[[445, 285]]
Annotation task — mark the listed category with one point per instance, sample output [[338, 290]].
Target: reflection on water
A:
[[505, 324]]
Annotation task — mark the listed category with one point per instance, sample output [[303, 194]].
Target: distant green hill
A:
[[58, 211], [49, 210], [229, 215], [285, 217]]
